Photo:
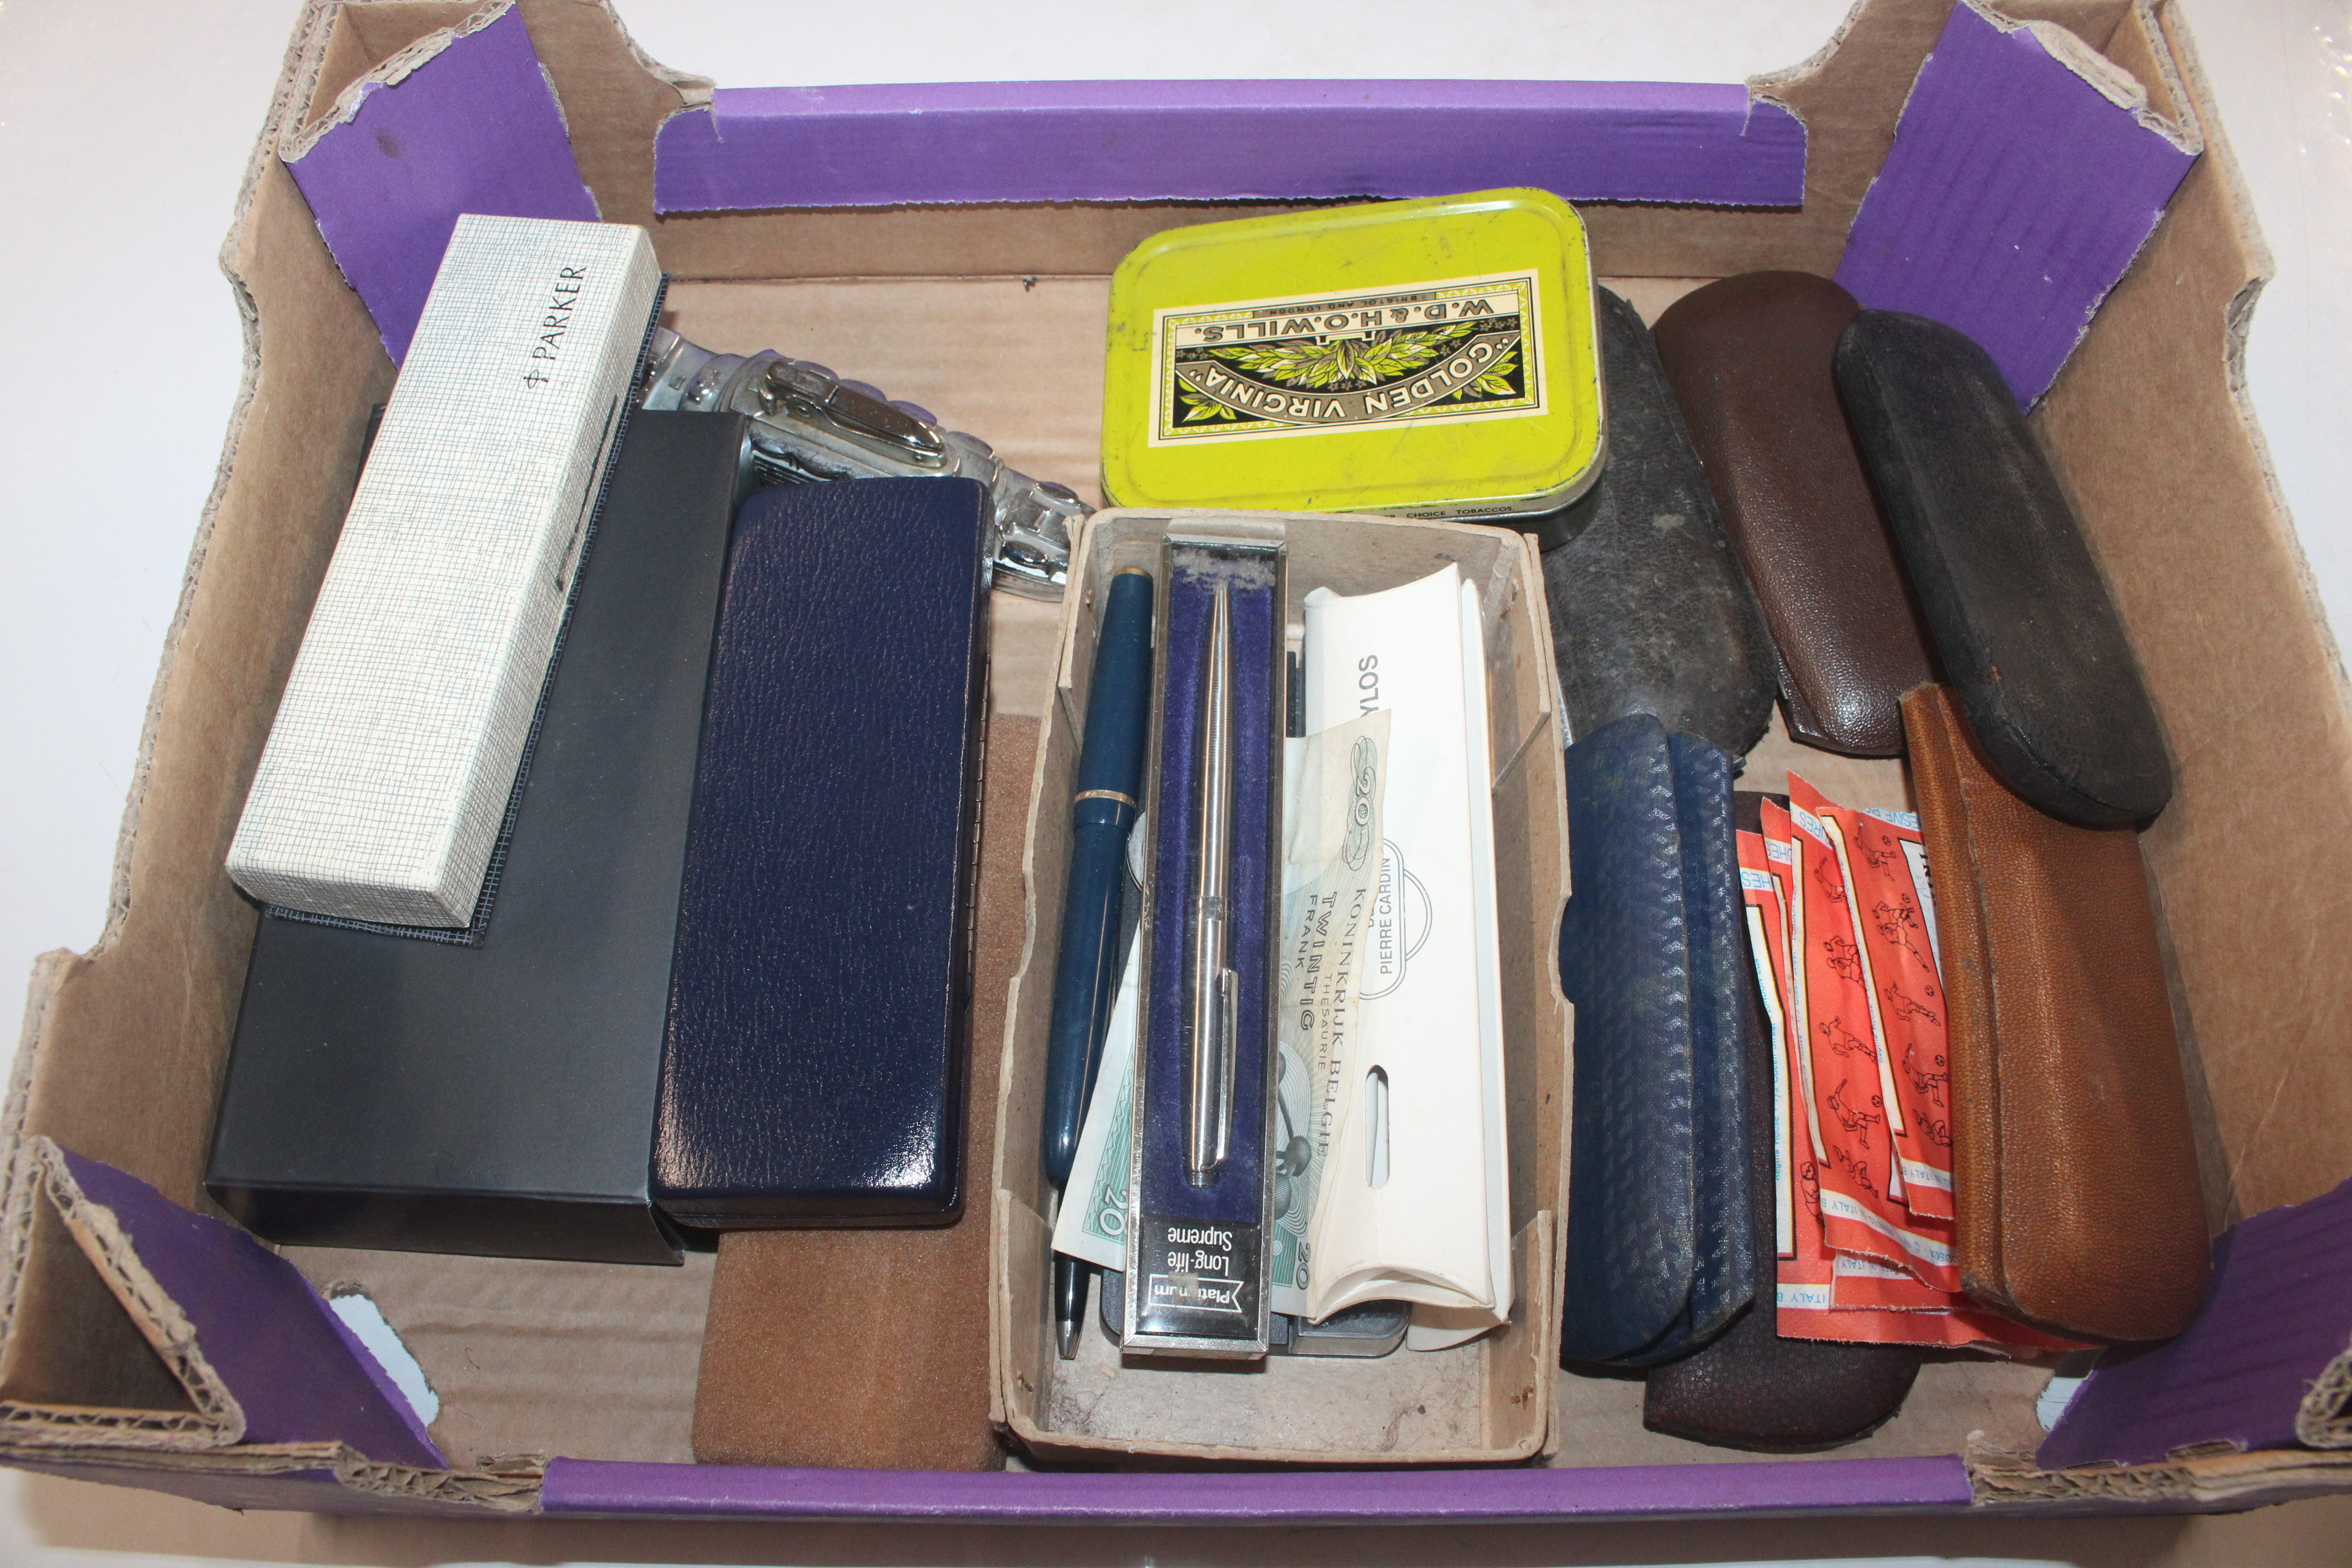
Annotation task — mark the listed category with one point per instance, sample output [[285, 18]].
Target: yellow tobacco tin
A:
[[1430, 358]]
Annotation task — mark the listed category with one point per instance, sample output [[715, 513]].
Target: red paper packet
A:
[[1861, 1185], [1903, 998], [1806, 1272], [1768, 944]]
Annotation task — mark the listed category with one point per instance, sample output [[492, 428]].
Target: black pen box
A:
[[1489, 1400], [497, 1097]]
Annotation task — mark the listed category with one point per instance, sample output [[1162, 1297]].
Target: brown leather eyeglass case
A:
[[2075, 1170], [1750, 360]]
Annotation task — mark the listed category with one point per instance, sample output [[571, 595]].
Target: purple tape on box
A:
[[1225, 141], [295, 1370], [474, 129], [2067, 182], [1303, 1497], [2277, 1319]]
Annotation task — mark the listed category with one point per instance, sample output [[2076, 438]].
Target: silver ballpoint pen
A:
[[1214, 1010]]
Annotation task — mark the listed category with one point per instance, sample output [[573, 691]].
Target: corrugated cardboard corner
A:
[[2222, 1481]]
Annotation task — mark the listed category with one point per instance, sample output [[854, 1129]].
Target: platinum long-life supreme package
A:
[[1199, 1182]]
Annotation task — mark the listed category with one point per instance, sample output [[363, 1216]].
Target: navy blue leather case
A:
[[496, 1096], [813, 1072], [1724, 1279], [1659, 1251]]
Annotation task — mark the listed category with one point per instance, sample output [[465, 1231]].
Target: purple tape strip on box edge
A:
[[2022, 268], [1314, 1497], [2280, 1309], [1226, 140], [289, 1363], [476, 129]]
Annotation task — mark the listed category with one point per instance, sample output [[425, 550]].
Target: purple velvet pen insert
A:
[[1199, 1252]]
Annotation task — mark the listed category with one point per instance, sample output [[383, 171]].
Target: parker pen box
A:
[[1430, 359], [394, 749]]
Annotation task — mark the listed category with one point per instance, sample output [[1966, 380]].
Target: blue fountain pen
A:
[[1103, 807]]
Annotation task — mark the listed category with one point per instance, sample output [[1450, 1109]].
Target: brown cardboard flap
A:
[[97, 1351], [2227, 1480], [2253, 861], [378, 45], [385, 1487], [128, 1382]]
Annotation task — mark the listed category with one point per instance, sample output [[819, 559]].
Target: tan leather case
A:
[[2074, 1172]]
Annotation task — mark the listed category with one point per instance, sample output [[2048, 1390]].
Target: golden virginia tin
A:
[[1425, 359]]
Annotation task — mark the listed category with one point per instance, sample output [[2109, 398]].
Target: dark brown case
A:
[[1750, 360]]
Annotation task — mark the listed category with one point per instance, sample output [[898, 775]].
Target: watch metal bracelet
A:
[[809, 425]]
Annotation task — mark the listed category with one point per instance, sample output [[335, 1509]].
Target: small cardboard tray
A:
[[1489, 1400]]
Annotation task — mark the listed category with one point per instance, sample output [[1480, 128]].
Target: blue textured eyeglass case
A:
[[2028, 635], [813, 1070], [1724, 1279], [1651, 612], [1660, 1253]]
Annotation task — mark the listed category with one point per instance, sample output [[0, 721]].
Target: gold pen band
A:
[[1102, 795]]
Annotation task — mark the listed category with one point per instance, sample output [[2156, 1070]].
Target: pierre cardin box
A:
[[1430, 358]]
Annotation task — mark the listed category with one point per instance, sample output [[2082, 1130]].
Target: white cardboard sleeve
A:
[[385, 778]]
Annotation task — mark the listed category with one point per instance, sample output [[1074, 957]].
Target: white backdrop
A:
[[124, 129]]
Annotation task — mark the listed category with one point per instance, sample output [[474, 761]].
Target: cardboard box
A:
[[568, 1388], [1488, 1400]]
